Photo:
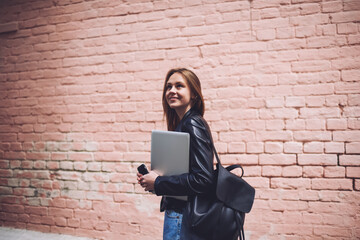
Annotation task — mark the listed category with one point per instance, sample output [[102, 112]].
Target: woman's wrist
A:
[[156, 184]]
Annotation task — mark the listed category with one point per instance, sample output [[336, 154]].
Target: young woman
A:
[[183, 106]]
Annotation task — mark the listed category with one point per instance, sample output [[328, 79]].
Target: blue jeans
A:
[[172, 225]]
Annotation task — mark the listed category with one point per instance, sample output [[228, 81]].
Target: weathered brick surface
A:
[[80, 92]]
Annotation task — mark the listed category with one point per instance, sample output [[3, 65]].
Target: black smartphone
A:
[[142, 169]]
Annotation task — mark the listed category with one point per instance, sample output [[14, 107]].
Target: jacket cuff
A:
[[156, 183]]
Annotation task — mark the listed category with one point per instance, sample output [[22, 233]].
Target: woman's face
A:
[[178, 94]]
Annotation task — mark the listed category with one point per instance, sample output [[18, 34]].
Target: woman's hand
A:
[[147, 181]]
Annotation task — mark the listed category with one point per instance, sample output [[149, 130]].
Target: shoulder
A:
[[196, 125], [195, 120]]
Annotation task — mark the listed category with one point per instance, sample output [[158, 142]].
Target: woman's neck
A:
[[181, 112]]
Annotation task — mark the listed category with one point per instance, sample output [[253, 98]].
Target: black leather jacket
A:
[[200, 179]]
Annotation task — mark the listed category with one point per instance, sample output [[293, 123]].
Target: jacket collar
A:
[[188, 114]]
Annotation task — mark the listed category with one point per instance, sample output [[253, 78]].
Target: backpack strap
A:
[[232, 167], [239, 219], [240, 225]]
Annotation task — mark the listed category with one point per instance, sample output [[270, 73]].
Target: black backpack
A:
[[221, 215]]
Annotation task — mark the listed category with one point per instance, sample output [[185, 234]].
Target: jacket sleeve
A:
[[200, 178]]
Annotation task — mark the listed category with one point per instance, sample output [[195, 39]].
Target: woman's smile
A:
[[173, 98]]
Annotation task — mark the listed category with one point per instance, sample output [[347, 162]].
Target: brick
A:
[[348, 136], [334, 172], [27, 164], [80, 156], [315, 124], [312, 136], [353, 123], [342, 17], [294, 102], [269, 13], [29, 192], [315, 101], [332, 101], [326, 30], [36, 227], [351, 111], [336, 124], [304, 31], [314, 147], [274, 136], [353, 147], [292, 171], [357, 184], [309, 20], [274, 125], [295, 124], [288, 205], [353, 100], [333, 6], [318, 42], [64, 175], [271, 171], [97, 177], [237, 136], [290, 183], [332, 231], [346, 28], [273, 147], [331, 184], [353, 172], [344, 64], [246, 114], [75, 223], [66, 165], [266, 91], [40, 165], [60, 221], [333, 196], [293, 147], [334, 147], [6, 191], [4, 164], [317, 159], [80, 166], [15, 155], [38, 156], [274, 102], [350, 75], [311, 218], [53, 165], [285, 33], [236, 147], [265, 34], [310, 8], [316, 112], [321, 89], [254, 147], [277, 159]]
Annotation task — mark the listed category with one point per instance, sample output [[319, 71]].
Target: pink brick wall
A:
[[80, 92]]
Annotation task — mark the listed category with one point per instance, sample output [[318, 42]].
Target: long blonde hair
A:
[[172, 119]]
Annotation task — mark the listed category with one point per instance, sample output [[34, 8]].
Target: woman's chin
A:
[[173, 106]]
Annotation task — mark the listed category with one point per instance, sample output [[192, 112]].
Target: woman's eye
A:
[[179, 86]]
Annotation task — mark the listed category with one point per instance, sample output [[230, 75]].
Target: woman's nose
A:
[[172, 89]]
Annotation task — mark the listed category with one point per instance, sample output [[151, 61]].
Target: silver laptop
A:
[[170, 153]]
